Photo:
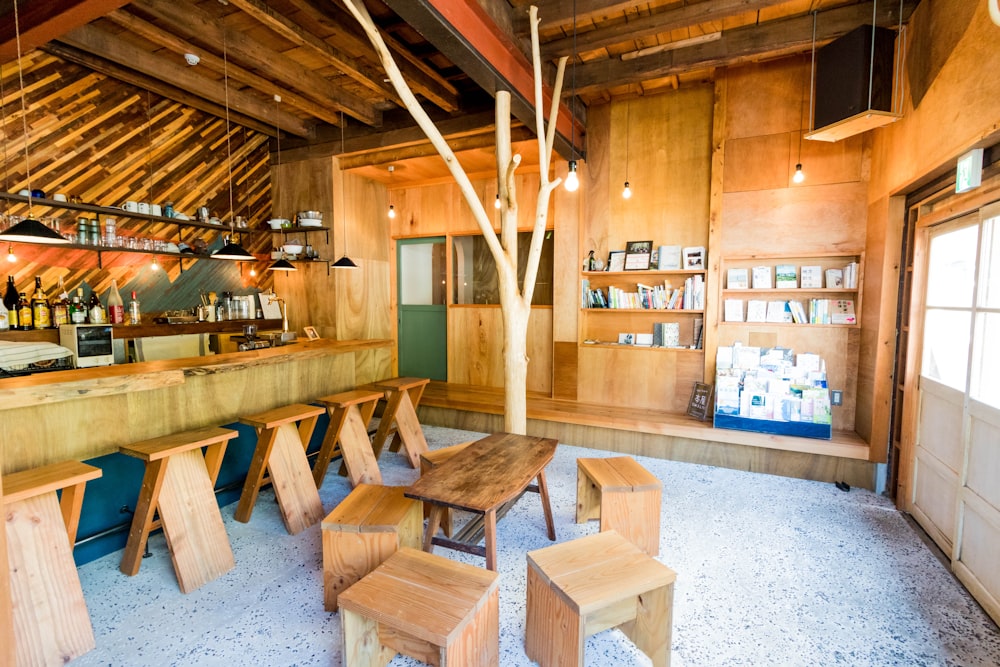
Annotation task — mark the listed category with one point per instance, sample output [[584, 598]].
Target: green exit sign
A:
[[969, 174]]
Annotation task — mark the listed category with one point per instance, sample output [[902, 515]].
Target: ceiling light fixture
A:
[[28, 230], [11, 257], [392, 209], [344, 262], [496, 202], [572, 183], [627, 191], [799, 176], [282, 264], [232, 251]]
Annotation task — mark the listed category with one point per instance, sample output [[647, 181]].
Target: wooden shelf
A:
[[790, 290], [651, 311], [648, 272], [790, 324], [644, 348]]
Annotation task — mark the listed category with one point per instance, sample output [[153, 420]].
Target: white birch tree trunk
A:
[[515, 300]]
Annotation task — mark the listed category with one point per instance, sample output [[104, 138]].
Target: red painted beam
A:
[[41, 22]]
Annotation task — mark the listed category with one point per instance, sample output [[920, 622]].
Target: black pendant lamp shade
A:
[[233, 251], [345, 262], [282, 265], [30, 230]]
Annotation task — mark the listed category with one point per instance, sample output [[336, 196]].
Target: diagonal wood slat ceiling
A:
[[314, 56]]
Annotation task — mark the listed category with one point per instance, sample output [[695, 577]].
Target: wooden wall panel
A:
[[772, 97], [566, 259], [6, 604], [639, 378], [758, 163]]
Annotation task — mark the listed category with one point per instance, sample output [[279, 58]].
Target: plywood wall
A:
[[6, 604]]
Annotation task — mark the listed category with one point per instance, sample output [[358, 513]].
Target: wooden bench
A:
[[428, 607], [179, 485], [370, 525], [432, 459], [350, 412], [624, 496], [51, 622], [402, 396], [579, 588], [281, 451]]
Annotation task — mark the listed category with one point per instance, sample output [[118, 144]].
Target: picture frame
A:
[[311, 333], [638, 255], [626, 339], [616, 260], [694, 258]]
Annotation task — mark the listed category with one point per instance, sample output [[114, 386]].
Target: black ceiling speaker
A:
[[852, 77]]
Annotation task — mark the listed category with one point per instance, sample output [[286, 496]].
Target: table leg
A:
[[433, 522], [543, 492], [490, 534], [329, 447], [70, 504], [142, 519], [255, 475]]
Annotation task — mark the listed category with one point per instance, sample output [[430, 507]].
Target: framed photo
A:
[[616, 260], [638, 255], [694, 258], [626, 339], [311, 333]]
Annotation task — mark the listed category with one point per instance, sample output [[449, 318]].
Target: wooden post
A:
[[6, 608]]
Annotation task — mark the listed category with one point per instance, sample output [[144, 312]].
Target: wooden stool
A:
[[179, 485], [350, 412], [402, 396], [624, 496], [430, 460], [281, 450], [51, 623], [370, 525], [585, 586], [425, 606]]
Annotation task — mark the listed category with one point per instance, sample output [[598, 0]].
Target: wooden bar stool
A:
[[51, 623], [402, 396], [428, 607], [579, 588], [350, 412], [281, 451], [179, 485], [367, 527], [624, 496]]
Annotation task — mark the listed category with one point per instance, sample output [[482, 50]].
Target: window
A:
[[475, 275]]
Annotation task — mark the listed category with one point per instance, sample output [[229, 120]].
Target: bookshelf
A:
[[644, 299]]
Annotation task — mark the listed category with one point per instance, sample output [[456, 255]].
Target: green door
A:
[[423, 330]]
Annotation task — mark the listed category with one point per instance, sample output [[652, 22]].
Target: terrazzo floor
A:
[[771, 571]]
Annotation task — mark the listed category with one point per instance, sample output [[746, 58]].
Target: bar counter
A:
[[83, 413]]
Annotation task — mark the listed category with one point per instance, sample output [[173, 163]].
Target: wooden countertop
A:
[[67, 385]]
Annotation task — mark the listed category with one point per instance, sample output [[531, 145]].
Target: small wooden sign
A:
[[699, 406]]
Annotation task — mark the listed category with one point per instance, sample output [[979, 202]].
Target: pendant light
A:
[[232, 251], [799, 176], [280, 264], [496, 202], [627, 191], [28, 230], [392, 209], [344, 262], [572, 183]]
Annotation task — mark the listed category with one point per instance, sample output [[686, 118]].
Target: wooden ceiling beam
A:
[[422, 78], [188, 20], [153, 84], [109, 47], [768, 40], [155, 35], [465, 34], [41, 22], [560, 12], [426, 149], [654, 24]]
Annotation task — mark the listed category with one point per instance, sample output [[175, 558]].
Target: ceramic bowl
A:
[[278, 223], [310, 222], [292, 248], [313, 215]]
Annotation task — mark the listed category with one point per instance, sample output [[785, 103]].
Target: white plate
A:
[[310, 222]]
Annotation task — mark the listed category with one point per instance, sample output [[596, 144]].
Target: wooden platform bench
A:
[[399, 419], [428, 607], [179, 486], [281, 451], [347, 435], [579, 588], [368, 526], [51, 622], [624, 496]]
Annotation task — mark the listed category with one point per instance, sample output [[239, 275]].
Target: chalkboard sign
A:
[[699, 406]]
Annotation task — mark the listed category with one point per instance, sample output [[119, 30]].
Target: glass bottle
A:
[[95, 309], [116, 307], [4, 317], [41, 315], [60, 306], [134, 314], [77, 310], [23, 312], [10, 301]]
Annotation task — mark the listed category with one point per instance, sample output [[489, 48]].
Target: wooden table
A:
[[485, 478]]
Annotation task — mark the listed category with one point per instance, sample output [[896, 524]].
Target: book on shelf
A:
[[666, 334], [694, 293], [834, 278], [733, 310], [736, 279], [798, 312], [644, 339], [669, 258], [778, 311], [819, 311], [811, 277], [786, 276], [842, 312], [756, 310], [585, 293], [699, 332], [851, 276], [762, 277]]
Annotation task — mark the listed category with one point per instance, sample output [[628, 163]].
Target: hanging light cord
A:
[[3, 119], [149, 143], [277, 135], [628, 119], [229, 150], [572, 101], [802, 99], [24, 112], [343, 184], [812, 74]]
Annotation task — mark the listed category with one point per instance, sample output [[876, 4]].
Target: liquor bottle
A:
[[10, 302], [41, 315], [77, 309], [24, 312], [60, 306], [95, 310], [134, 314], [116, 307], [4, 317]]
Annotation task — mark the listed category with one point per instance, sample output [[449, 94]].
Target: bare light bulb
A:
[[799, 174], [627, 192], [253, 272], [572, 181], [496, 202], [392, 211], [153, 266], [11, 257]]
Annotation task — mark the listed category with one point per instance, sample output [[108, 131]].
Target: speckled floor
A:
[[771, 571]]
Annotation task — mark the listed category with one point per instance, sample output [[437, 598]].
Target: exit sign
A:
[[969, 174]]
